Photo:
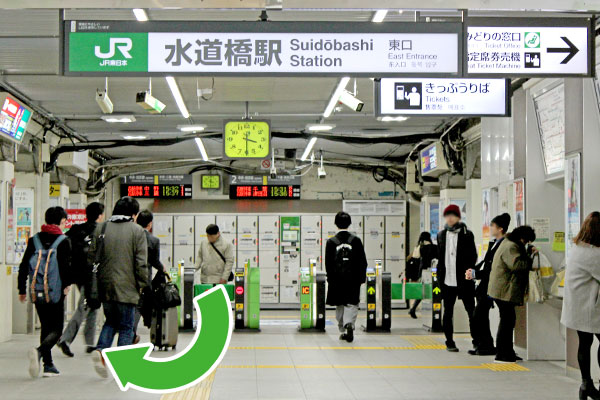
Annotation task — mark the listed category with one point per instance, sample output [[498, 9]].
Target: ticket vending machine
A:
[[379, 299], [247, 298], [312, 298], [187, 308]]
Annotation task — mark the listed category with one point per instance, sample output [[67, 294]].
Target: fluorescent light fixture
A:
[[177, 96], [395, 119], [201, 149], [140, 14], [319, 127], [191, 128], [134, 137], [308, 149], [379, 15], [336, 96], [125, 119]]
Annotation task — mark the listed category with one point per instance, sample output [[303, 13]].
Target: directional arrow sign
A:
[[510, 47], [132, 366], [437, 290], [371, 290]]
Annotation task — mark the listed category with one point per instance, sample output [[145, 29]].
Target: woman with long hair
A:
[[581, 305]]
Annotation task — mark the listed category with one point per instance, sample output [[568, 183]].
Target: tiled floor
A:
[[280, 363]]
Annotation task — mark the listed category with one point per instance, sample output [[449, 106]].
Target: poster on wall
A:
[[75, 216], [542, 229], [573, 200], [434, 220], [10, 223], [485, 215], [23, 206], [519, 191], [462, 204]]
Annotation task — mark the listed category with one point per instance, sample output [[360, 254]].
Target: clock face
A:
[[247, 139]]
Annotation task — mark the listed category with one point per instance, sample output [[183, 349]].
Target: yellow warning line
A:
[[200, 391], [490, 367], [437, 346]]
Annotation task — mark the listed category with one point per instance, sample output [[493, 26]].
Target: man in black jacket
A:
[[80, 236], [483, 340], [144, 219], [51, 315], [456, 254], [346, 266]]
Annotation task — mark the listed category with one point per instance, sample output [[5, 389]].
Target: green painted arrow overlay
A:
[[133, 367], [437, 290]]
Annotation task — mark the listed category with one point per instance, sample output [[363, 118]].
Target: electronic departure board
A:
[[264, 187], [157, 186]]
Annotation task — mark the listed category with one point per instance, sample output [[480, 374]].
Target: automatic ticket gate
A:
[[247, 298], [186, 316], [312, 298], [379, 299], [432, 301]]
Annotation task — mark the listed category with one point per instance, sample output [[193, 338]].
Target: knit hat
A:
[[502, 221], [452, 209]]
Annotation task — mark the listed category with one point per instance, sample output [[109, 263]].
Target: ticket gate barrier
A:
[[312, 298], [247, 298], [379, 299], [203, 287], [186, 317], [432, 309]]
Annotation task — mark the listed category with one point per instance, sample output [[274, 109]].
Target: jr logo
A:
[[123, 44]]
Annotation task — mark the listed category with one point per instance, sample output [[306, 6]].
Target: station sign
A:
[[107, 48], [157, 186], [529, 47], [438, 96]]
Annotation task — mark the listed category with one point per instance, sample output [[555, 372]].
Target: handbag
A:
[[225, 261], [92, 292], [166, 293], [536, 286]]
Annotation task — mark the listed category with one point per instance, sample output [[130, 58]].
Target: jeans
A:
[[346, 315], [449, 296], [586, 340], [482, 334], [82, 312], [51, 317], [504, 338], [119, 319]]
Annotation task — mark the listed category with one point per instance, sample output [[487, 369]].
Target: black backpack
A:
[[343, 255]]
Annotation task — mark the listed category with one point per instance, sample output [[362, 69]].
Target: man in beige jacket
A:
[[215, 257]]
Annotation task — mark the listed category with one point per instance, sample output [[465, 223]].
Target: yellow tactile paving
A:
[[505, 367], [423, 342], [200, 391]]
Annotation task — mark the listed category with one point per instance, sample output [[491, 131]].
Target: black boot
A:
[[588, 391]]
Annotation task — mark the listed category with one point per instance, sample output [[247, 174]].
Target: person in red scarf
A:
[[51, 314]]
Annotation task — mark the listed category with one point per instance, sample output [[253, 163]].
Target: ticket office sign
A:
[[529, 47], [438, 96], [259, 48]]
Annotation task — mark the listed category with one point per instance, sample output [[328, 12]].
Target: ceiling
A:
[[29, 44]]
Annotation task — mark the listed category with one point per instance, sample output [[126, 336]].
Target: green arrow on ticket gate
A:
[[437, 290], [371, 290], [133, 367]]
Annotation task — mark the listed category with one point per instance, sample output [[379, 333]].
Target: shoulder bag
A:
[[222, 258]]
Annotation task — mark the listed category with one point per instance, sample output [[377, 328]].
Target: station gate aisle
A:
[[280, 363]]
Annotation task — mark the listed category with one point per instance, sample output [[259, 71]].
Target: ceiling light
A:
[[140, 14], [118, 118], [379, 15], [336, 96], [319, 127], [134, 137], [395, 119], [177, 96], [308, 149], [201, 149], [191, 128]]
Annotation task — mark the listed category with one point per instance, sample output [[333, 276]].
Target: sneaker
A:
[[451, 347], [505, 360], [413, 314], [473, 352], [99, 365], [349, 333], [35, 365], [90, 349], [50, 371], [65, 349]]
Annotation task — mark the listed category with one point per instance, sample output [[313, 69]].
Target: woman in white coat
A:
[[581, 306]]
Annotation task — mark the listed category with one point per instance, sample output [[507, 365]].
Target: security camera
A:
[[104, 101], [350, 101], [273, 172], [149, 102], [321, 174]]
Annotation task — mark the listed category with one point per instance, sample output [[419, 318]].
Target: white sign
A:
[[303, 53], [528, 50], [433, 96]]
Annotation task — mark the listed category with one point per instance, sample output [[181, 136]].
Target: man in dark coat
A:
[[484, 343], [456, 254], [346, 265]]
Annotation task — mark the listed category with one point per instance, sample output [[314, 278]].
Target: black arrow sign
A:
[[572, 50]]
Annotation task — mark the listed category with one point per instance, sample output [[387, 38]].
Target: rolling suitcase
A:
[[164, 329]]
